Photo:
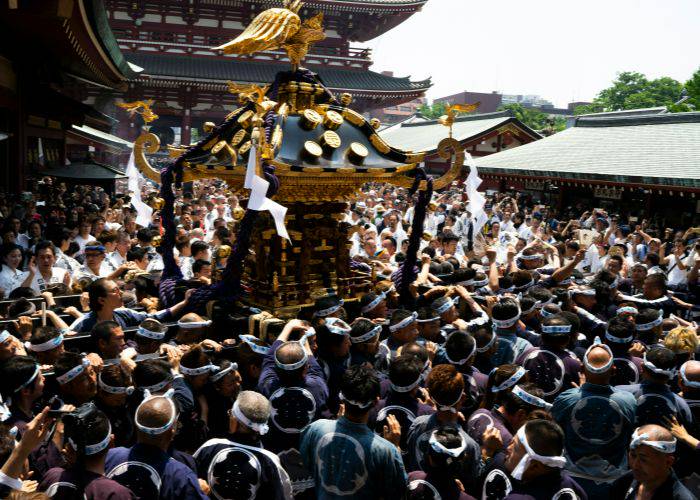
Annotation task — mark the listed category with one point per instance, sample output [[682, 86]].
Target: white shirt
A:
[[9, 279], [82, 242], [85, 272], [68, 263], [39, 284], [676, 275]]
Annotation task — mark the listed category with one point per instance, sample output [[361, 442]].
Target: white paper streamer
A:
[[143, 211], [258, 196], [476, 202]]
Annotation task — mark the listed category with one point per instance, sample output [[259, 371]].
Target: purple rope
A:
[[408, 272]]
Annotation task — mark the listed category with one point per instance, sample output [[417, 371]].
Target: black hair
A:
[[85, 426], [540, 294], [662, 358], [505, 309], [66, 362], [43, 245], [15, 372], [144, 235], [405, 370], [150, 372], [97, 290], [198, 246], [102, 331], [361, 326], [544, 437], [360, 384], [43, 334], [199, 264], [513, 403], [459, 345], [136, 253]]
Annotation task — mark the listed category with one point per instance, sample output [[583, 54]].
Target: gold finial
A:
[[142, 108], [452, 110], [208, 127], [279, 28]]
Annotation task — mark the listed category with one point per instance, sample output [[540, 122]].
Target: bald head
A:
[[155, 412], [655, 433], [692, 371], [598, 357], [191, 318], [289, 353]]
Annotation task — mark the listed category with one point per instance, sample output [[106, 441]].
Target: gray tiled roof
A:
[[650, 149], [424, 136], [222, 70]]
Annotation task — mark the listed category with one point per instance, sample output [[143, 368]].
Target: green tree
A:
[[536, 119], [632, 90], [433, 111], [692, 87]]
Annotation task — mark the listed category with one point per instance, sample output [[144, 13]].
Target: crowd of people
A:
[[549, 354]]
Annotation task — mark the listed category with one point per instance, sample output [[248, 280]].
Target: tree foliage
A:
[[536, 119], [433, 111], [633, 90]]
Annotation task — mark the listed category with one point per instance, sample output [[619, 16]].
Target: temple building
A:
[[479, 134], [49, 50], [639, 164], [172, 41]]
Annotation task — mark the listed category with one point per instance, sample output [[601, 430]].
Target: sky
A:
[[561, 50]]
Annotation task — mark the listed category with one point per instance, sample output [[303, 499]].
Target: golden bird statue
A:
[[452, 109], [278, 28]]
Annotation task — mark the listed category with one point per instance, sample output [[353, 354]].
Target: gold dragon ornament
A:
[[278, 28], [142, 108], [452, 109]]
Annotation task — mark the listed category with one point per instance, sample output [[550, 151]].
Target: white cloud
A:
[[560, 49]]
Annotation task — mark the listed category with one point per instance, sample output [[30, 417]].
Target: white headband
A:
[[154, 431], [257, 427], [488, 344], [291, 366], [599, 369], [4, 336], [582, 291], [531, 257], [193, 324], [439, 448], [150, 334], [667, 447], [355, 403], [460, 362], [528, 311], [527, 285], [112, 389], [404, 322], [530, 399], [627, 310], [407, 388], [428, 320], [648, 326], [337, 326], [555, 329], [480, 283], [546, 314], [689, 383], [618, 340], [30, 379], [73, 372], [510, 381], [553, 461], [157, 387], [45, 346], [451, 407], [366, 336], [93, 449], [507, 323], [377, 300], [208, 368], [652, 367], [444, 307], [325, 312], [250, 340], [222, 373]]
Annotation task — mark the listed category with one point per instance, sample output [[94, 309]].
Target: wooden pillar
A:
[[186, 128]]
